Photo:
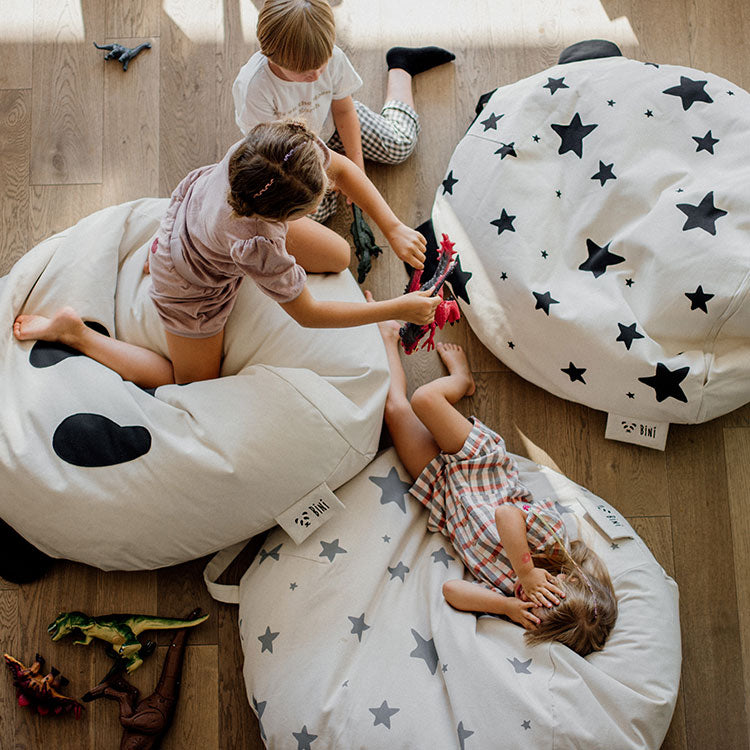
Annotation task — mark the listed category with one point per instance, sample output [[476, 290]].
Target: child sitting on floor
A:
[[514, 545], [300, 73]]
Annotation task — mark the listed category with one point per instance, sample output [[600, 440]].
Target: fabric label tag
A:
[[637, 431], [309, 513], [606, 518]]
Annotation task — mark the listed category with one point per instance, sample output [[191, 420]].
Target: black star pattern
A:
[[383, 714], [507, 149], [441, 556], [259, 708], [267, 640], [629, 282], [698, 299], [706, 143], [553, 84], [627, 334], [704, 215], [331, 549], [544, 253], [572, 135], [359, 626], [491, 122], [574, 373], [543, 301], [292, 586], [599, 258], [521, 667], [386, 539], [273, 554], [425, 650], [614, 545], [611, 102], [511, 345], [689, 91], [458, 279], [526, 724], [731, 93], [535, 138], [558, 193], [504, 222], [680, 190], [304, 738], [666, 382], [503, 276], [630, 394], [399, 571], [448, 183], [605, 173], [648, 113], [392, 488], [463, 735]]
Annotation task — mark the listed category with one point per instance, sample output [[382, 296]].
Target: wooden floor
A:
[[77, 134]]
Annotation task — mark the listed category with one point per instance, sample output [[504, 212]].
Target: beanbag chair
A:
[[602, 218], [97, 470], [349, 643]]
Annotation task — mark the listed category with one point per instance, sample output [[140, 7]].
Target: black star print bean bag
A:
[[601, 213], [95, 469], [360, 649]]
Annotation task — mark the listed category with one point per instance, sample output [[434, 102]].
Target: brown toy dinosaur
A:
[[146, 722]]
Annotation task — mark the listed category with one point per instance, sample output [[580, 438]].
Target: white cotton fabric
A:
[[310, 662], [294, 407]]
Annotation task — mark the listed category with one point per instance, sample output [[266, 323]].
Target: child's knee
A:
[[423, 398], [341, 254]]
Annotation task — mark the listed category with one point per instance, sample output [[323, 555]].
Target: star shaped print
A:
[[259, 709], [599, 258], [627, 334], [267, 640], [535, 138], [448, 183], [561, 509], [463, 735], [629, 282], [292, 586], [648, 113], [458, 279], [572, 135], [504, 222], [543, 301], [698, 299], [425, 650], [507, 149], [491, 122], [611, 102], [574, 373], [521, 667], [441, 556], [359, 626], [666, 382], [690, 92], [304, 738], [703, 216], [383, 714], [706, 143], [331, 549], [273, 554], [629, 394], [544, 254], [553, 84], [399, 571], [393, 489], [511, 345], [605, 173], [386, 539], [526, 724]]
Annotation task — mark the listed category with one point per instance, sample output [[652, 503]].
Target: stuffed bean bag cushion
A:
[[602, 217], [97, 470], [349, 643]]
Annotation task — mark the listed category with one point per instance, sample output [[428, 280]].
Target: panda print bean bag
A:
[[349, 643], [97, 470], [601, 213]]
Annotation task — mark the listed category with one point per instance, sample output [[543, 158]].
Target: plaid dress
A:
[[461, 491]]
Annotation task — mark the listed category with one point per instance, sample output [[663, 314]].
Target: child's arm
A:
[[471, 597], [538, 584], [408, 244], [347, 124], [415, 307]]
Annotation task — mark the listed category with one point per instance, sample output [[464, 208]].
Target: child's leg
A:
[[316, 248], [433, 402], [195, 359]]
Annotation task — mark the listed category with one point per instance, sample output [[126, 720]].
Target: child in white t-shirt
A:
[[300, 73]]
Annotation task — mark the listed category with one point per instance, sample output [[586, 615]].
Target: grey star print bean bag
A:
[[97, 470], [601, 213], [349, 643]]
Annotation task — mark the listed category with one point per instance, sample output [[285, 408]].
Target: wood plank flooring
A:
[[77, 134]]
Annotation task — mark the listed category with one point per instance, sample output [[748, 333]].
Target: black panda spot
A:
[[20, 561], [48, 353], [95, 440]]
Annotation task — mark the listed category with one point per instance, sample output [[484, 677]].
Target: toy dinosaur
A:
[[122, 54], [146, 722], [365, 247], [447, 312], [121, 631], [41, 691]]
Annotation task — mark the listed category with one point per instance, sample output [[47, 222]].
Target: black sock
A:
[[415, 60]]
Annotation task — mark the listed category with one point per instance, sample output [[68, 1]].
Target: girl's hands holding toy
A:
[[408, 244], [541, 588], [520, 611], [418, 307]]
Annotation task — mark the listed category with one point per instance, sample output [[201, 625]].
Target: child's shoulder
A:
[[256, 67]]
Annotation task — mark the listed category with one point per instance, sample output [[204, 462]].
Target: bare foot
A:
[[458, 366], [64, 326]]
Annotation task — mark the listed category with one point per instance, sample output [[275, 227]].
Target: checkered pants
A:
[[387, 138]]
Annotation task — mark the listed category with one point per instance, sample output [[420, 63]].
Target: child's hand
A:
[[520, 612], [418, 307], [408, 244], [541, 588]]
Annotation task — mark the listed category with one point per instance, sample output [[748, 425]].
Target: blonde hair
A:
[[585, 617], [276, 171], [296, 34]]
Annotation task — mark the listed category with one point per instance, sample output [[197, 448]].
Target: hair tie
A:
[[263, 190], [289, 153]]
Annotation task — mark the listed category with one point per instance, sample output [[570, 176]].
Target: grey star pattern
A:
[[273, 554], [690, 92], [561, 509], [572, 135], [553, 84], [392, 488], [383, 714], [463, 734], [359, 626], [698, 299], [521, 667], [399, 571], [386, 539], [259, 709], [614, 545], [292, 585], [704, 215], [605, 173], [331, 549], [706, 143], [543, 301], [491, 122], [627, 334], [425, 650], [507, 149], [267, 640], [441, 556], [526, 724], [304, 738], [504, 222]]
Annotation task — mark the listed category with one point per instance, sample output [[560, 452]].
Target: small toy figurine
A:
[[41, 691], [121, 631], [122, 54], [447, 312], [364, 243], [146, 722]]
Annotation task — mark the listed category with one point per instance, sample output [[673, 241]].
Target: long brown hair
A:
[[276, 171]]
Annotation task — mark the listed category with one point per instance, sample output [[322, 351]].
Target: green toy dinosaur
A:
[[365, 247], [121, 631]]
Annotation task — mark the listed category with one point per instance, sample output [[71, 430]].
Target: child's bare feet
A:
[[454, 358], [64, 326]]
